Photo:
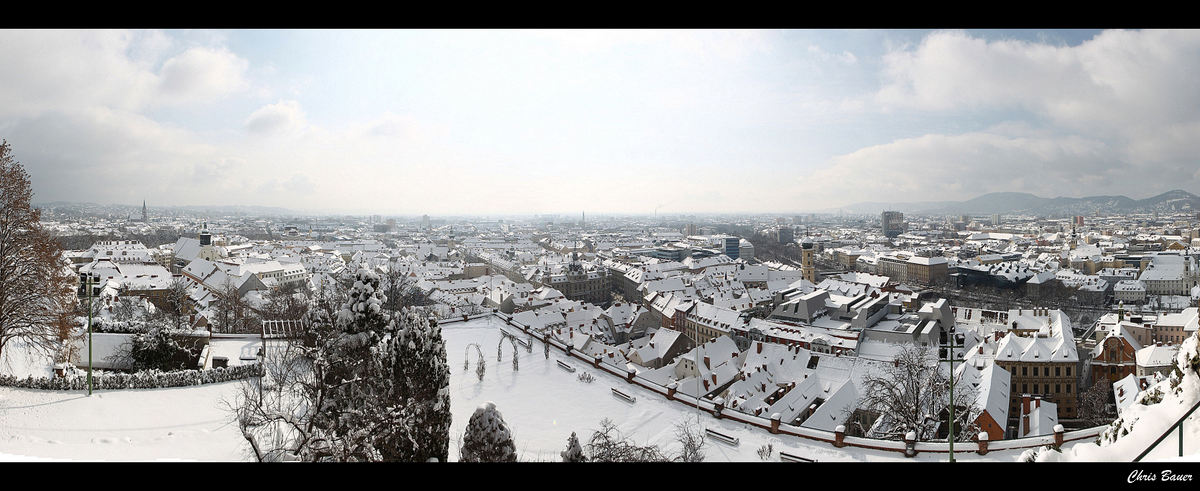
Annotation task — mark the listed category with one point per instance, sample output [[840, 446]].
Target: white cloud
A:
[[938, 167], [844, 57], [1115, 114], [283, 117], [202, 74], [1116, 80]]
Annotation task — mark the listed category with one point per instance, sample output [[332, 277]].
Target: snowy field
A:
[[181, 423], [541, 402]]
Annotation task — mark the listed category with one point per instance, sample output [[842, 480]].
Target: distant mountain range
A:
[[1028, 204]]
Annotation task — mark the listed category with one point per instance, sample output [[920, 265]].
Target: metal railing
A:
[[1178, 424]]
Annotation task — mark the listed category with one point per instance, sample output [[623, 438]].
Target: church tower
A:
[[145, 216], [807, 270], [207, 251]]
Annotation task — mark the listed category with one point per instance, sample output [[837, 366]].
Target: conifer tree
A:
[[487, 438], [418, 379], [574, 452]]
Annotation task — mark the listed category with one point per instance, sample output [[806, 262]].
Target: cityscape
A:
[[935, 268]]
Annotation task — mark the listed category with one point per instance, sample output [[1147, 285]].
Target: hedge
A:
[[147, 379]]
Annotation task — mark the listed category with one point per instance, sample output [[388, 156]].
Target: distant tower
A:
[[807, 271], [892, 223], [207, 251], [145, 216]]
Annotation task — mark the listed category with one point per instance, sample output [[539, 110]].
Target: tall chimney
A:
[[1024, 403]]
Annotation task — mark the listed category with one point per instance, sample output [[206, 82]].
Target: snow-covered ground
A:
[[181, 423], [541, 402]]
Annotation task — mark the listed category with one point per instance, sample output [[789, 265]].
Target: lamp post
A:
[[88, 285], [951, 360]]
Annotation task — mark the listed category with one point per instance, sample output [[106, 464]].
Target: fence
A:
[[1178, 424]]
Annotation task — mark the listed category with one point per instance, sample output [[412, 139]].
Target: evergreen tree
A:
[[418, 379], [348, 411], [487, 438], [574, 452]]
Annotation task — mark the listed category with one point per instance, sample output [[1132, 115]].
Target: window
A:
[[1057, 371], [1068, 371], [1024, 371], [1035, 371]]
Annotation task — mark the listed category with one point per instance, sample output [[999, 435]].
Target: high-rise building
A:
[[995, 220], [785, 234], [732, 248], [892, 223]]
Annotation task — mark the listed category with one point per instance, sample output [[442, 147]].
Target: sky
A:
[[443, 122]]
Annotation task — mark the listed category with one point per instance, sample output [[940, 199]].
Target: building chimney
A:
[[1024, 403], [1037, 402], [706, 363]]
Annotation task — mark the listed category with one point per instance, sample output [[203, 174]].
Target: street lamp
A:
[[88, 285], [951, 360]]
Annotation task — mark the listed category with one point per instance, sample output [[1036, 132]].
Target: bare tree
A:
[[691, 437], [175, 304], [36, 284], [915, 394], [608, 445], [285, 302], [274, 412], [1093, 404], [228, 307]]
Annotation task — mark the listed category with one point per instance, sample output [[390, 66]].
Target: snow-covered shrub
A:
[[487, 437], [1036, 454], [765, 451], [147, 379], [157, 349], [574, 452], [586, 377]]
